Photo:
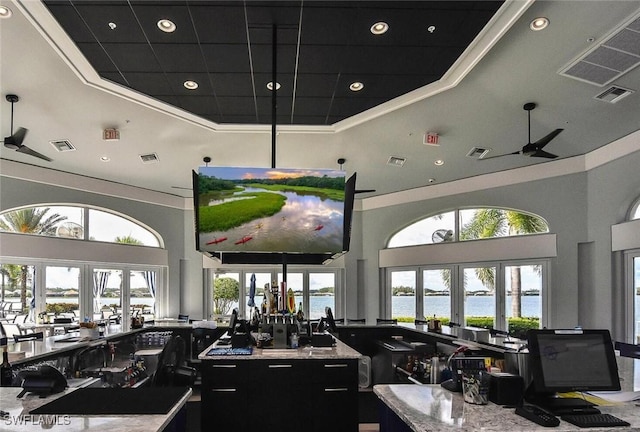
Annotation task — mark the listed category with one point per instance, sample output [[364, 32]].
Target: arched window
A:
[[468, 224], [78, 222], [635, 210]]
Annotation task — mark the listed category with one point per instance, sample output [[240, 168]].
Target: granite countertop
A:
[[339, 351], [20, 352], [434, 409], [19, 418]]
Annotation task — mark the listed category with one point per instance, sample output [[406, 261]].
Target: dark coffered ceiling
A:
[[227, 48]]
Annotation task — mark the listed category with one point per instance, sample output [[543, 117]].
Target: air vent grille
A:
[[613, 94], [478, 152], [396, 161], [149, 158], [613, 57], [62, 145]]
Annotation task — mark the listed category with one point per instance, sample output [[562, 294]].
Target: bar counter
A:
[[339, 351], [19, 418], [434, 409], [431, 408], [317, 386]]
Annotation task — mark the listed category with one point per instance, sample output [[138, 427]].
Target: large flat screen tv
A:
[[257, 215]]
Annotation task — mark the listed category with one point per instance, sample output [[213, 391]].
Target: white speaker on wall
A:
[[364, 371]]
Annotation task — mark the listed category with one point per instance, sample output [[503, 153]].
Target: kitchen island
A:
[[274, 389]]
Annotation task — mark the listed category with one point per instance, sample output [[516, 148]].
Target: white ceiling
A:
[[57, 101]]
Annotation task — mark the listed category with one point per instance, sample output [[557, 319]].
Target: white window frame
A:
[[457, 288], [630, 292], [85, 293], [339, 294]]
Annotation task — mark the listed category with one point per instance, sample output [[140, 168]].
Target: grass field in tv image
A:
[[271, 210]]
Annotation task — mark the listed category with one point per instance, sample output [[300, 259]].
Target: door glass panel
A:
[[295, 281], [523, 305], [143, 285], [403, 294], [62, 285], [321, 294], [107, 290], [479, 296], [18, 290], [226, 293], [262, 279], [437, 293], [636, 288]]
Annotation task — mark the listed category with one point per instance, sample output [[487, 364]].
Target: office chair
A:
[[201, 339], [28, 337], [386, 321], [172, 369], [356, 320]]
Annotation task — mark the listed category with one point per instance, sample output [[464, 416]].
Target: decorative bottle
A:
[[6, 375]]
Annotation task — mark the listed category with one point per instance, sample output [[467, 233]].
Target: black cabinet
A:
[[273, 393]]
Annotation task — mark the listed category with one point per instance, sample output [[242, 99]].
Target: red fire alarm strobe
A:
[[111, 135], [431, 138]]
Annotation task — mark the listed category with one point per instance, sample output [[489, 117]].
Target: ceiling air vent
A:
[[478, 152], [396, 161], [149, 158], [613, 94], [62, 145], [616, 55]]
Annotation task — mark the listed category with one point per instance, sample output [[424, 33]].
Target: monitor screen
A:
[[233, 321], [273, 211], [572, 360]]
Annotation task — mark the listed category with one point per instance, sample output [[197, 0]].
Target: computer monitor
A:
[[570, 360], [233, 321]]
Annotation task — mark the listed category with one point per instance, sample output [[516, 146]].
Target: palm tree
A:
[[492, 222], [128, 239], [32, 220]]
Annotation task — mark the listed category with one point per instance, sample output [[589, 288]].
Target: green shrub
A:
[[58, 308], [517, 326]]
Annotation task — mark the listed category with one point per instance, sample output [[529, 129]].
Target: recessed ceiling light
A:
[[270, 85], [166, 26], [105, 158], [112, 25], [438, 162], [539, 23], [356, 86], [379, 28], [190, 85], [5, 12]]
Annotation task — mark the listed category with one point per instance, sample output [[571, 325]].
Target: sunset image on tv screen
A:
[[270, 210]]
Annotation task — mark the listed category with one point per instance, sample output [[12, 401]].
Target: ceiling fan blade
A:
[[545, 140], [26, 150], [500, 155], [19, 135], [364, 190], [543, 154]]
